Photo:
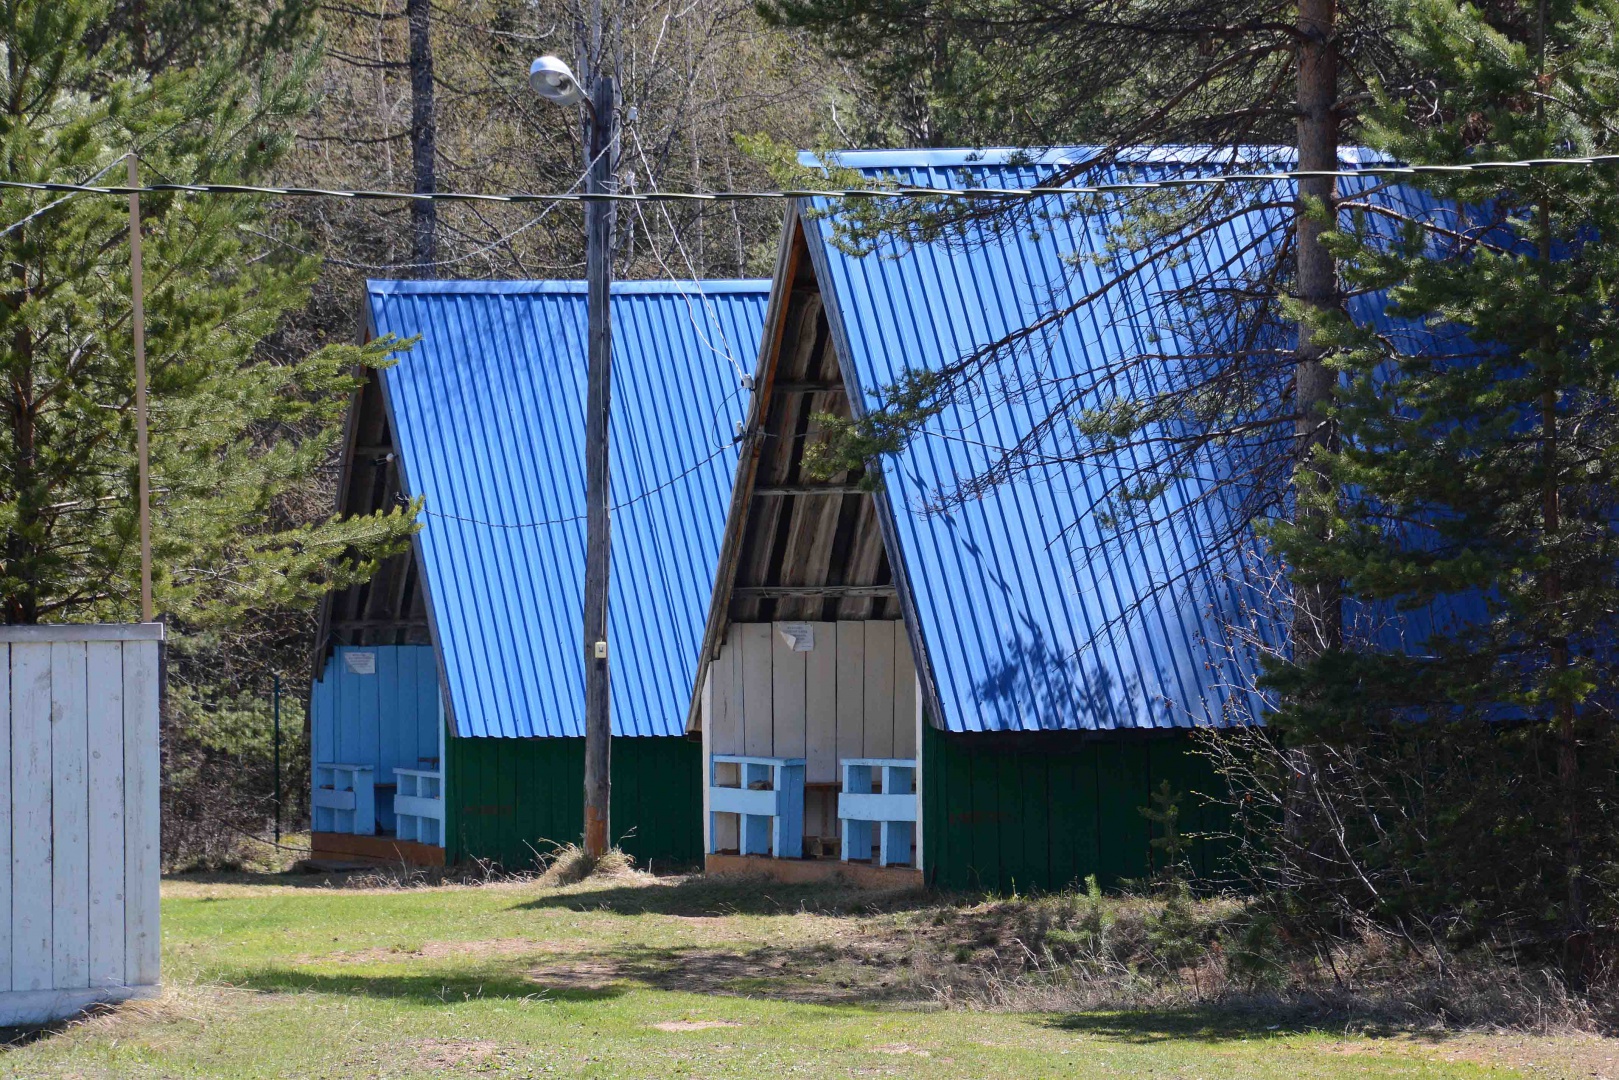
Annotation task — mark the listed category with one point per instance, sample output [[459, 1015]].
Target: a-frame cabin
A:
[[446, 712], [960, 682]]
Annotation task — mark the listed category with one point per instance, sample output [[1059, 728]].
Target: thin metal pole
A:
[[601, 147], [277, 698], [138, 320]]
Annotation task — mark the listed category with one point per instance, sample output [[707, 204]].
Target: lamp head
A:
[[553, 80]]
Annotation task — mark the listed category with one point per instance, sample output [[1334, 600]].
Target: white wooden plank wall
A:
[[853, 695], [78, 816]]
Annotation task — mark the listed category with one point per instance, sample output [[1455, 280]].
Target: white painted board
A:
[[879, 695], [141, 854], [70, 813], [31, 816], [821, 707], [104, 670], [758, 735], [787, 695]]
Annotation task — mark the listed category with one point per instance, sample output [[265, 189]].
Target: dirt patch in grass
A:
[[901, 1049], [440, 1054]]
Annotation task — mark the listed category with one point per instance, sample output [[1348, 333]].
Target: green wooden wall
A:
[[1041, 811], [508, 797]]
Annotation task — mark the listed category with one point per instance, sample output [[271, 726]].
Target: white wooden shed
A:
[[79, 838]]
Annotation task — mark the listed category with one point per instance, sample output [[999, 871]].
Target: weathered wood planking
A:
[[104, 670], [141, 853], [734, 744], [852, 695], [879, 689], [904, 695], [30, 816], [721, 722], [758, 727], [850, 711], [787, 698], [821, 706], [70, 812]]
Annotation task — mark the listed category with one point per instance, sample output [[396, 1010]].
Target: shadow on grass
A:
[[382, 876], [706, 897], [427, 988], [1261, 1020]]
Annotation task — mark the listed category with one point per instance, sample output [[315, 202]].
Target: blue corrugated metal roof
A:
[[487, 412], [1029, 616]]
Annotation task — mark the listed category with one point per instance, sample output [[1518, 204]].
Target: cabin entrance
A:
[[810, 738]]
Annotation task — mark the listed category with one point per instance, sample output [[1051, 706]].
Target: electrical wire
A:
[[898, 191], [691, 272], [20, 222]]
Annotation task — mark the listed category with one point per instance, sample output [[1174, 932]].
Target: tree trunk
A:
[[1317, 618], [1317, 623], [423, 134]]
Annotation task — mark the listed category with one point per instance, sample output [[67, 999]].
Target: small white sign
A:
[[799, 636], [360, 663]]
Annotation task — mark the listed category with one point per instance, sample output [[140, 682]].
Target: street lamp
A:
[[553, 80]]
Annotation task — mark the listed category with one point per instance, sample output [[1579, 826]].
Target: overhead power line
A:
[[897, 191]]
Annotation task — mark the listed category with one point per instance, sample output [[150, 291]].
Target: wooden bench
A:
[[767, 796], [419, 806], [344, 799], [878, 794]]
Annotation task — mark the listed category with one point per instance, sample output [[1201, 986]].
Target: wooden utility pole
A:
[[138, 320], [601, 150]]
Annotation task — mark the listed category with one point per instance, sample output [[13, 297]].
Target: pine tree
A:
[[233, 432], [1477, 530]]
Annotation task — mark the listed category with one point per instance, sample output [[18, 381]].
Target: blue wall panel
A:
[[388, 719]]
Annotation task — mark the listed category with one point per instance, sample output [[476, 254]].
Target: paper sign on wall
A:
[[360, 663], [800, 636]]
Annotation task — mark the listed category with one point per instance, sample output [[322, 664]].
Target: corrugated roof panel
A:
[[488, 416], [1032, 616]]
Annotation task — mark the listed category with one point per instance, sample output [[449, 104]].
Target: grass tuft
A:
[[571, 864]]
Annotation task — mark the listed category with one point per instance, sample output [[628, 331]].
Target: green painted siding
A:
[[508, 798], [1043, 811]]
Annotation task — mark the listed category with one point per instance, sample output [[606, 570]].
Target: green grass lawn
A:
[[642, 979]]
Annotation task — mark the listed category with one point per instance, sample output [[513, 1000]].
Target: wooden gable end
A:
[[811, 548], [390, 609]]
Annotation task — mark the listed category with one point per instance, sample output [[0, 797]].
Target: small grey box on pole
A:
[[602, 147]]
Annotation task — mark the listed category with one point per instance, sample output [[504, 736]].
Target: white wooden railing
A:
[[879, 796], [344, 799], [767, 795], [419, 806]]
